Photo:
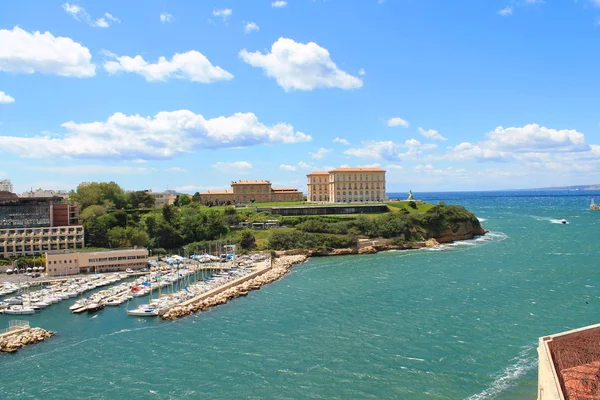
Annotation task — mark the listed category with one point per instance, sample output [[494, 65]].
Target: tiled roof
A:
[[250, 182], [319, 173], [358, 170], [217, 192]]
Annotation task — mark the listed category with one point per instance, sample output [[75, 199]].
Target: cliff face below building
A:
[[460, 231]]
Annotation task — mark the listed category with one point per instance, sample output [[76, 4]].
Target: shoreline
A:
[[281, 265]]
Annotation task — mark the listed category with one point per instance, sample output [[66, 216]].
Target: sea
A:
[[458, 321]]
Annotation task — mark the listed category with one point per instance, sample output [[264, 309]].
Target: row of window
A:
[[346, 177], [122, 258]]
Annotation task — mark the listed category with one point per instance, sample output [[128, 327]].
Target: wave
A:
[[524, 362], [482, 219], [547, 219], [489, 237]]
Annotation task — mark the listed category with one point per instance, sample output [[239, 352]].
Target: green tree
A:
[[140, 199], [247, 239], [196, 197], [183, 200], [91, 212]]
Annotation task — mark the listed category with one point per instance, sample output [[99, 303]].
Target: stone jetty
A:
[[9, 343], [233, 289]]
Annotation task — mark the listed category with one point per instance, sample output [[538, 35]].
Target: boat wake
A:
[[548, 219], [524, 362]]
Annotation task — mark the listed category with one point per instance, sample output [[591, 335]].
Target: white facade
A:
[[6, 185], [33, 241], [45, 193]]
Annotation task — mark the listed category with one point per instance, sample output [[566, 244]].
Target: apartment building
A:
[[32, 226], [71, 263], [347, 185], [6, 185]]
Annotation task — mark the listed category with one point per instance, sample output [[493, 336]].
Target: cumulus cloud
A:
[[468, 151], [166, 18], [341, 141], [390, 151], [192, 66], [4, 98], [79, 13], [536, 138], [236, 166], [397, 121], [177, 169], [287, 167], [431, 134], [251, 27], [304, 165], [165, 135], [362, 72], [320, 153], [224, 13], [506, 11], [298, 66], [28, 53], [279, 4]]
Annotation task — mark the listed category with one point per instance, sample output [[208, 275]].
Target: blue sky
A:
[[189, 95]]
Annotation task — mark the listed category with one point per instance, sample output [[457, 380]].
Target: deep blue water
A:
[[456, 322]]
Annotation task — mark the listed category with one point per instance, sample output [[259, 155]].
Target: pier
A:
[[20, 334]]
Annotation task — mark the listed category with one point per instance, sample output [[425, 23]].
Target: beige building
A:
[[347, 185], [569, 365], [161, 199], [71, 263], [32, 241], [250, 191]]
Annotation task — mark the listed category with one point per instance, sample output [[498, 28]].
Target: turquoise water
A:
[[457, 323]]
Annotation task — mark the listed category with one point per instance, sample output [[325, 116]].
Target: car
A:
[[129, 271]]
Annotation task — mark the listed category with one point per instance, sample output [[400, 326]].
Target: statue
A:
[[410, 196]]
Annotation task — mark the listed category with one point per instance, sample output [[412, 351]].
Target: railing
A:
[[14, 325]]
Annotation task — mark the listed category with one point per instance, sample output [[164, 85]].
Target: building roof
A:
[[217, 192], [251, 182], [358, 170], [318, 173], [4, 195]]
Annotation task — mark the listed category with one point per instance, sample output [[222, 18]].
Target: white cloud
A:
[[166, 18], [304, 165], [390, 151], [397, 121], [177, 169], [533, 137], [341, 141], [320, 153], [431, 134], [298, 66], [468, 151], [192, 65], [24, 52], [506, 11], [286, 167], [279, 4], [251, 27], [4, 98], [80, 14], [236, 166], [362, 72], [224, 13], [165, 135], [92, 169]]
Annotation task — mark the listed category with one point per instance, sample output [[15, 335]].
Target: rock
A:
[[367, 250]]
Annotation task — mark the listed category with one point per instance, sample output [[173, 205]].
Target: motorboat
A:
[[94, 307], [19, 310], [78, 304], [143, 310], [564, 221]]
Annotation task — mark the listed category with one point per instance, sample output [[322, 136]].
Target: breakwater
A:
[[11, 341], [236, 288]]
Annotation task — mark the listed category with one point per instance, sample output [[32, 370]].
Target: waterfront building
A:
[[32, 226], [71, 263], [347, 185], [569, 365], [251, 191], [6, 185]]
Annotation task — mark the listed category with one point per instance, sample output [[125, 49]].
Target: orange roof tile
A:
[[318, 173], [358, 170], [217, 192]]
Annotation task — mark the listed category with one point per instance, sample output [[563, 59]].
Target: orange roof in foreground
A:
[[358, 170], [582, 382], [318, 173]]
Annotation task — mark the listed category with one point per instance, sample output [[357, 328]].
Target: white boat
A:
[[144, 310], [19, 310], [564, 221], [40, 304], [114, 301], [79, 304]]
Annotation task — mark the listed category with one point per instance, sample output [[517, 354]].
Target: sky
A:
[[190, 95]]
